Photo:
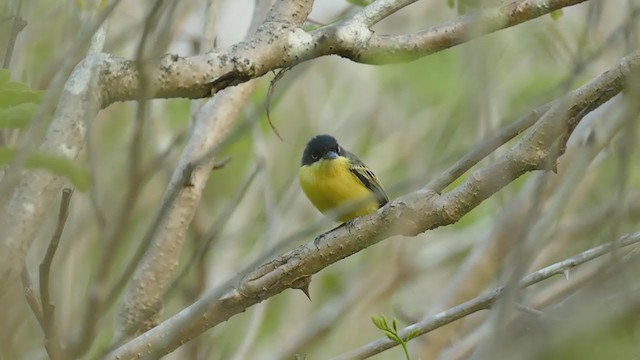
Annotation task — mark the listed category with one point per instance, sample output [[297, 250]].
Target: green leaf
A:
[[377, 322], [395, 324], [555, 15], [383, 319], [392, 336], [17, 117], [451, 3], [310, 27], [361, 3], [414, 334], [58, 165], [5, 75], [16, 95], [17, 86]]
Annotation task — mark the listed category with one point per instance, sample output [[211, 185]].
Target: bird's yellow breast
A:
[[329, 184]]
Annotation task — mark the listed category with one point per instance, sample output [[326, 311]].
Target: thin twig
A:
[[208, 239], [65, 66], [154, 164], [267, 101], [488, 146], [485, 301], [18, 25], [113, 240], [217, 165], [48, 315], [31, 297]]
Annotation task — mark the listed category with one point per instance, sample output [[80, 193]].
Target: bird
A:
[[337, 183]]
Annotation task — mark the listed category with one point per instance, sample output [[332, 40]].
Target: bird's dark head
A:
[[321, 147]]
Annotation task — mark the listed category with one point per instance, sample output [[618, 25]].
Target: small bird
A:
[[337, 182]]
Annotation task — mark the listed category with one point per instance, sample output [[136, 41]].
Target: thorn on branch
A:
[[186, 175], [221, 164], [302, 283]]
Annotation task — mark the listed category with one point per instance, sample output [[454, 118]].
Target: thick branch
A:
[[409, 215], [279, 44], [27, 209], [140, 306]]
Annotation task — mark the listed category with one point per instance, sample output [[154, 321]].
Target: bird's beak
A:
[[330, 155]]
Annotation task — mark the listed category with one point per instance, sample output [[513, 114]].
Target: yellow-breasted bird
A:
[[337, 182]]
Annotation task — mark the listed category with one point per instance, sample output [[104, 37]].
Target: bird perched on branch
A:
[[337, 182]]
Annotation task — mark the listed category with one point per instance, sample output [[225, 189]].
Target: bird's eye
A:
[[314, 156], [338, 150]]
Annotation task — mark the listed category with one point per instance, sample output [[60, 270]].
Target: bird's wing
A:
[[367, 178]]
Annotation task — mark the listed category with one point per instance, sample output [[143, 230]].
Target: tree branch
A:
[[385, 49], [409, 215], [280, 44], [277, 43], [378, 10], [156, 264], [487, 300], [23, 215]]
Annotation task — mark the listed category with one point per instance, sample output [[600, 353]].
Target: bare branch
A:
[[487, 300], [379, 10], [279, 42], [20, 219], [384, 49], [409, 215], [278, 45], [155, 265]]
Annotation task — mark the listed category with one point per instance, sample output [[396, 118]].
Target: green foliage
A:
[[555, 15], [17, 117], [310, 27], [15, 93], [179, 112], [17, 102], [361, 3], [78, 176], [5, 75], [392, 332]]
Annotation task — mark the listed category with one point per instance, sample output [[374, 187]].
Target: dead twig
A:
[[51, 341], [31, 297]]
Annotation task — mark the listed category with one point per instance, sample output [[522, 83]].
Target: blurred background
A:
[[407, 122]]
